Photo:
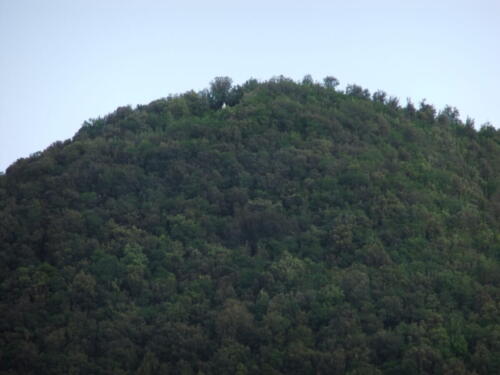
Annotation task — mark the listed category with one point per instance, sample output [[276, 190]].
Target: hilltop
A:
[[266, 228]]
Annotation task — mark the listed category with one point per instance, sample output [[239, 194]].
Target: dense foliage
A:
[[267, 228]]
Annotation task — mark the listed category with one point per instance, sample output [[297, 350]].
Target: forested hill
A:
[[269, 228]]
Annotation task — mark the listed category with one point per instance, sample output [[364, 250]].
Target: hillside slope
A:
[[297, 230]]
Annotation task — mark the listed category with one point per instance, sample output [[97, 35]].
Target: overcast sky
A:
[[63, 62]]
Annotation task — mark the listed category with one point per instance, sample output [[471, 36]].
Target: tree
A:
[[219, 91], [449, 115], [410, 109], [307, 80], [357, 91], [330, 82], [426, 112], [393, 103], [379, 96]]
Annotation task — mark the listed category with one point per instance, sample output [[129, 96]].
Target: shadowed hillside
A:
[[269, 228]]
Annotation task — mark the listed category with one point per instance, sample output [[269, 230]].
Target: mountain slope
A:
[[298, 229]]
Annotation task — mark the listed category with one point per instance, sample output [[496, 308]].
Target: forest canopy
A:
[[274, 227]]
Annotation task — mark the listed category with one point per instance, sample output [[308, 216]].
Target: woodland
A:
[[273, 227]]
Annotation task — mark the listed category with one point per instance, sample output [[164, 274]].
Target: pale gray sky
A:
[[63, 62]]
